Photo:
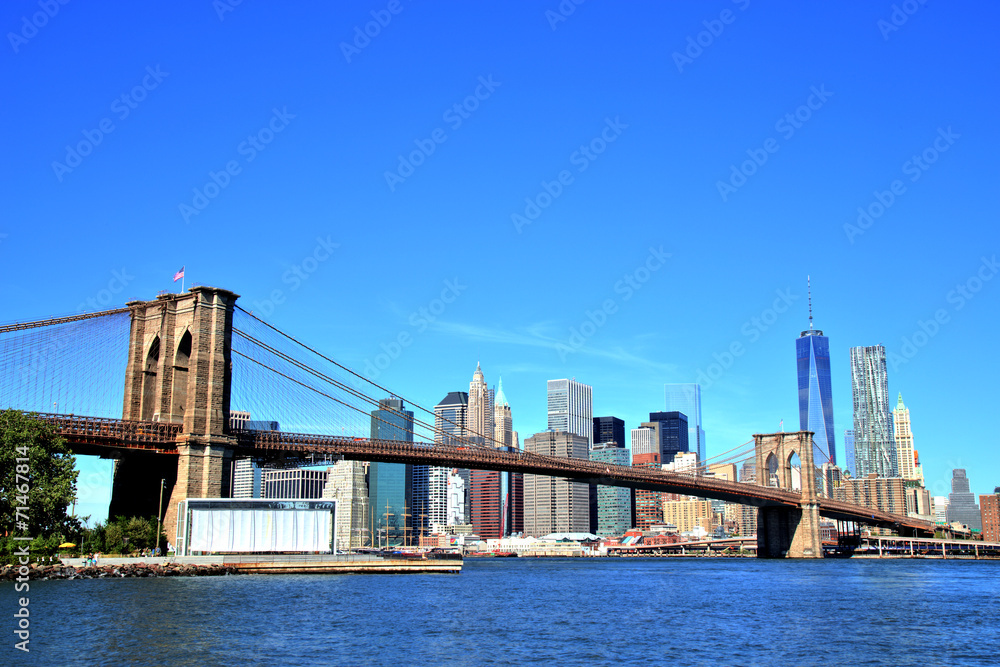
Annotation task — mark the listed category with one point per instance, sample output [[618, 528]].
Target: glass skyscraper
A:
[[614, 503], [812, 354], [874, 445], [389, 484], [571, 408], [609, 429], [686, 397], [849, 450], [673, 434]]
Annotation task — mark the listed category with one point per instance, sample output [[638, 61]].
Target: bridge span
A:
[[108, 437], [180, 357]]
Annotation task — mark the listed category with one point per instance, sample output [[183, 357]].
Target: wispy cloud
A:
[[539, 335]]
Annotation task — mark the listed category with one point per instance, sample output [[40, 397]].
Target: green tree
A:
[[46, 480]]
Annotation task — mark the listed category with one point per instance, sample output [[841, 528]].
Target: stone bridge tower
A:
[[785, 532], [179, 370]]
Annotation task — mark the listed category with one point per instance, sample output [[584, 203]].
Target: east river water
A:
[[696, 611]]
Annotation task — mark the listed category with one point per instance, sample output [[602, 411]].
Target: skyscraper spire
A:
[[809, 290], [500, 399]]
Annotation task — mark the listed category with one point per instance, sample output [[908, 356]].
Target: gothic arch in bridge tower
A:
[[794, 465], [772, 470], [149, 380], [182, 361]]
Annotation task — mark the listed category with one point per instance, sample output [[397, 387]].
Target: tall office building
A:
[[648, 505], [673, 434], [295, 483], [486, 497], [571, 408], [346, 483], [990, 512], [812, 355], [609, 429], [849, 451], [606, 430], [484, 487], [456, 499], [882, 493], [646, 439], [514, 504], [918, 503], [962, 505], [497, 497], [390, 485], [554, 504], [480, 410], [940, 504], [685, 397], [246, 479], [614, 503], [874, 445], [430, 483], [503, 421], [905, 455]]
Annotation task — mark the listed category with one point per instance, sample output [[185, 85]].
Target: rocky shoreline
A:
[[59, 571]]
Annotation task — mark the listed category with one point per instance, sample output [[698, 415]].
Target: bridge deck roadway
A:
[[94, 435]]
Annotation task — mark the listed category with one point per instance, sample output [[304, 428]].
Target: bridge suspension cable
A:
[[54, 321], [68, 364], [459, 428], [436, 432], [328, 379]]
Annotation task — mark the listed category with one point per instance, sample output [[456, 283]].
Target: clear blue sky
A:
[[645, 122]]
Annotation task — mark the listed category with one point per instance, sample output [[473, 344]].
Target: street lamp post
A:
[[159, 513]]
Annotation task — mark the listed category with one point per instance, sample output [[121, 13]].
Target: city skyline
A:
[[486, 181]]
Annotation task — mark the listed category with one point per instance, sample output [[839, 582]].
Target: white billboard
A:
[[219, 525]]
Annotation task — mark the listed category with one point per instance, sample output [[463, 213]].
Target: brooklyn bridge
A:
[[174, 367]]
